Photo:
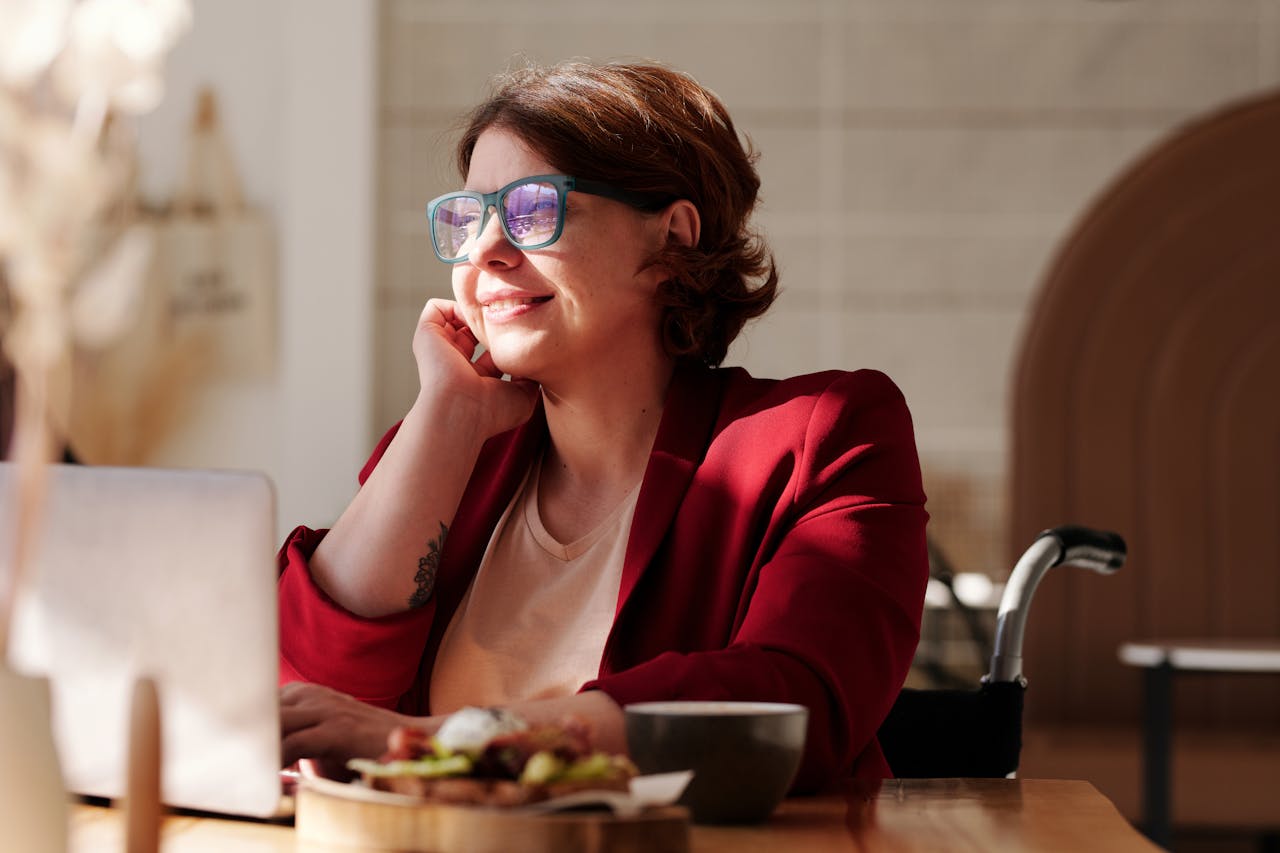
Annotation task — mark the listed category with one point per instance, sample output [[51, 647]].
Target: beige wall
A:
[[921, 159], [295, 80]]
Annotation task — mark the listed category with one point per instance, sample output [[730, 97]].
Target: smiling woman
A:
[[620, 519]]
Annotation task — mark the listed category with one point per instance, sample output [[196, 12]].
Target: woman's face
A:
[[583, 303]]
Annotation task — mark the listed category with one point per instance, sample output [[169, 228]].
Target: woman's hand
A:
[[370, 561], [444, 347], [320, 723]]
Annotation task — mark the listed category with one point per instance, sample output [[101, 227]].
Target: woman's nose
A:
[[491, 247]]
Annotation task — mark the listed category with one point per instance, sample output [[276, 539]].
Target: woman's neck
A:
[[604, 429], [601, 436]]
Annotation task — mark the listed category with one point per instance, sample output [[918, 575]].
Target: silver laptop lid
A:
[[169, 574]]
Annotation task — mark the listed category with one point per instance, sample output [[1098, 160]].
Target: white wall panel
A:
[[1059, 56]]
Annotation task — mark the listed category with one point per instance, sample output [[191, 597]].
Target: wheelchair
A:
[[977, 732]]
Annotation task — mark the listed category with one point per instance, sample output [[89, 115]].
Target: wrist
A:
[[462, 419]]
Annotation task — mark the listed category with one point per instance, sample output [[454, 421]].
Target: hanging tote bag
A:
[[217, 258], [205, 311]]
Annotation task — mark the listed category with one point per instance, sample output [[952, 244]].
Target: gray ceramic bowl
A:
[[744, 754]]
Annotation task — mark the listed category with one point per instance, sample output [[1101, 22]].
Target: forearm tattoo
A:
[[428, 565]]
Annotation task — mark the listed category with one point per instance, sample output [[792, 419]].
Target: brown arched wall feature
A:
[[1146, 400]]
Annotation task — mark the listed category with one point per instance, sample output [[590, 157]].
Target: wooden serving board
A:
[[330, 817]]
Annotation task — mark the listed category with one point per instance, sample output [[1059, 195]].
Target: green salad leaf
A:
[[427, 766]]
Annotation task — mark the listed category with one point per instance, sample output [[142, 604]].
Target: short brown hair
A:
[[652, 130]]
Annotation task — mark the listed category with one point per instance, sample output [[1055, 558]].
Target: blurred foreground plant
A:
[[71, 261]]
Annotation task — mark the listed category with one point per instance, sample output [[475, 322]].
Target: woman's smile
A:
[[498, 308]]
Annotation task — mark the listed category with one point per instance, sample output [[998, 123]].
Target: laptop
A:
[[169, 574]]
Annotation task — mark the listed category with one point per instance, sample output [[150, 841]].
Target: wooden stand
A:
[[143, 811]]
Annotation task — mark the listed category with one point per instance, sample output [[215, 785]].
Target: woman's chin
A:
[[513, 364]]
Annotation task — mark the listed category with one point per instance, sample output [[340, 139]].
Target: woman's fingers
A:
[[303, 743], [440, 319], [296, 691], [443, 315], [328, 741], [303, 710], [302, 694], [442, 312], [318, 722], [444, 345]]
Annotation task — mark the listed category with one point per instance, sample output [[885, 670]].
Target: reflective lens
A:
[[531, 213], [530, 216], [455, 225]]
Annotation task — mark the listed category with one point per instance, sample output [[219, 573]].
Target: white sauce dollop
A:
[[469, 730]]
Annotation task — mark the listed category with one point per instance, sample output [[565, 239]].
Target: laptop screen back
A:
[[169, 574]]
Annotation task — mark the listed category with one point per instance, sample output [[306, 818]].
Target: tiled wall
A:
[[921, 160]]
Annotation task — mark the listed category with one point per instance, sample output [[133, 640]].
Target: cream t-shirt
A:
[[534, 622]]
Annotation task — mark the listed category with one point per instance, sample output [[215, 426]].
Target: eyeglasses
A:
[[532, 212]]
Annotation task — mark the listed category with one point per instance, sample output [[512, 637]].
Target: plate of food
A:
[[488, 780]]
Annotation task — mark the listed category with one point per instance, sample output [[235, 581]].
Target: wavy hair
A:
[[649, 129]]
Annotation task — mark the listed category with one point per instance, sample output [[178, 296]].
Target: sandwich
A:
[[488, 756]]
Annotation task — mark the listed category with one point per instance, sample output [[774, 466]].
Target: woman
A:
[[624, 521]]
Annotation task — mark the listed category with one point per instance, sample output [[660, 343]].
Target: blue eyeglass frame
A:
[[564, 185]]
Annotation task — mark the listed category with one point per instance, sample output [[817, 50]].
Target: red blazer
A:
[[777, 554]]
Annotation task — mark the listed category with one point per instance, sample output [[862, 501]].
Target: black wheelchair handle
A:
[[1100, 550], [1069, 545]]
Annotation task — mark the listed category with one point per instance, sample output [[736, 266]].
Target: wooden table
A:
[[1161, 660], [904, 815]]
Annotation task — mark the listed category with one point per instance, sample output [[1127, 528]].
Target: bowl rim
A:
[[707, 708]]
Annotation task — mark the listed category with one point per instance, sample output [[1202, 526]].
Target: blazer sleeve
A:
[[834, 616], [374, 660]]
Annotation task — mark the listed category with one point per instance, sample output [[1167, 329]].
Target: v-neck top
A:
[[534, 621]]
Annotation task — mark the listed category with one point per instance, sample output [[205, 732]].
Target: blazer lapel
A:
[[688, 416]]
